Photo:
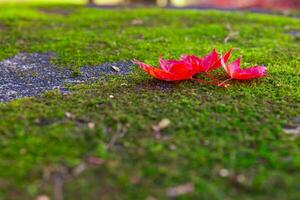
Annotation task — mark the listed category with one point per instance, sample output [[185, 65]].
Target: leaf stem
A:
[[209, 83], [223, 83]]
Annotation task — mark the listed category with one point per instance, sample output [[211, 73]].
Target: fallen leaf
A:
[[170, 70], [186, 67], [209, 62], [190, 65], [235, 72]]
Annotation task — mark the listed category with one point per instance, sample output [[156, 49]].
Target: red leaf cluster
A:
[[189, 65]]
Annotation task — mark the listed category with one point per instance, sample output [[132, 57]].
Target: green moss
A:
[[238, 128]]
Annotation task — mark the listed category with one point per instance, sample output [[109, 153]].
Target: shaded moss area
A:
[[111, 121]]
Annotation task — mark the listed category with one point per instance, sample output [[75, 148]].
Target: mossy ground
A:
[[238, 128]]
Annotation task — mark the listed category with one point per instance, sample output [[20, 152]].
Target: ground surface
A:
[[102, 141], [27, 75]]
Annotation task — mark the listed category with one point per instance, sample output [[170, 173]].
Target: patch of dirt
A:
[[26, 75]]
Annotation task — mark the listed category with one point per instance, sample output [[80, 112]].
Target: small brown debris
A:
[[93, 160], [23, 151], [224, 173], [48, 171], [135, 180], [2, 183], [241, 178], [42, 197], [79, 169], [91, 125], [150, 198], [58, 185], [20, 42], [57, 174], [137, 22], [113, 164], [164, 123], [172, 147], [120, 132], [180, 190], [69, 115], [231, 35], [124, 84]]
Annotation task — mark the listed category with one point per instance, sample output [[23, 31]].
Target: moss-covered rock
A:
[[99, 140]]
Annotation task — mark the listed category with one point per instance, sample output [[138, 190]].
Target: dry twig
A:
[[231, 35]]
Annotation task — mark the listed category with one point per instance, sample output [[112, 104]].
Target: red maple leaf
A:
[[190, 65], [175, 70], [235, 72], [170, 70], [209, 62]]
